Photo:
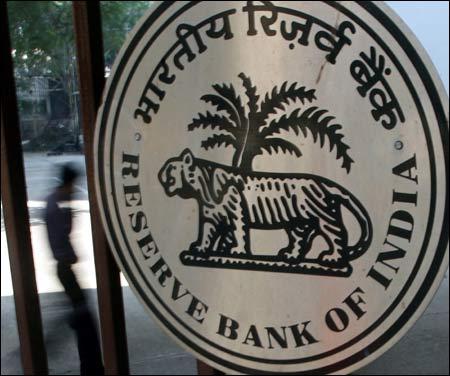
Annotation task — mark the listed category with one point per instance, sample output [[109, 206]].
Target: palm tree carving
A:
[[249, 131]]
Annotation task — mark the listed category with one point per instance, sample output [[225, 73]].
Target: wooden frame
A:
[[17, 223], [89, 43]]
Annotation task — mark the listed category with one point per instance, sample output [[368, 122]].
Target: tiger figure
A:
[[231, 202]]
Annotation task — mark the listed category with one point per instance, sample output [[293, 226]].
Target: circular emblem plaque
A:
[[272, 178]]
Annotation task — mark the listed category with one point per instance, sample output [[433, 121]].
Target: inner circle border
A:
[[423, 292]]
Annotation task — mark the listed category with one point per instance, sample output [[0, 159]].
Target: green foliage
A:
[[41, 36], [43, 31], [118, 18], [43, 43]]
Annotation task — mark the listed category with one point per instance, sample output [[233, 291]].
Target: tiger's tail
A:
[[361, 215]]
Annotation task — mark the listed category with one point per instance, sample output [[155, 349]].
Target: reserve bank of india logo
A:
[[272, 178], [234, 199]]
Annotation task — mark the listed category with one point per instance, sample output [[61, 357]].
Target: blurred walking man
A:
[[58, 217]]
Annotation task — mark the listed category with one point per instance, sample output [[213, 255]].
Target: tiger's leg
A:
[[206, 238], [300, 242], [336, 237], [240, 245], [226, 241], [238, 223], [225, 238]]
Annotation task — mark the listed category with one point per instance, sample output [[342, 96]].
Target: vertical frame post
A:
[[17, 223], [89, 44], [206, 370]]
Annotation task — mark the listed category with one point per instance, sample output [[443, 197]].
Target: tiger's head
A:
[[176, 175]]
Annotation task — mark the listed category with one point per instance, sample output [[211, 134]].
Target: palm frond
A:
[[250, 91], [215, 121], [279, 98], [230, 95], [218, 140], [222, 105], [312, 120], [280, 145]]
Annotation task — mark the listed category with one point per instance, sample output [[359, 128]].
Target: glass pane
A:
[[118, 18], [45, 68], [10, 339]]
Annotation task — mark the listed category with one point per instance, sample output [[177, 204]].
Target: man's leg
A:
[[83, 324], [88, 343], [70, 284]]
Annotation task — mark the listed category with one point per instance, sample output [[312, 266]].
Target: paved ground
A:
[[423, 351]]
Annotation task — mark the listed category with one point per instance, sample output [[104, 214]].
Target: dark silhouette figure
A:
[[58, 217]]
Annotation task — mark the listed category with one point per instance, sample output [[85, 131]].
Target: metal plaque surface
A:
[[272, 178]]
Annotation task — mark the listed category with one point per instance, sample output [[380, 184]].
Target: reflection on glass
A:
[[118, 18], [42, 39]]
